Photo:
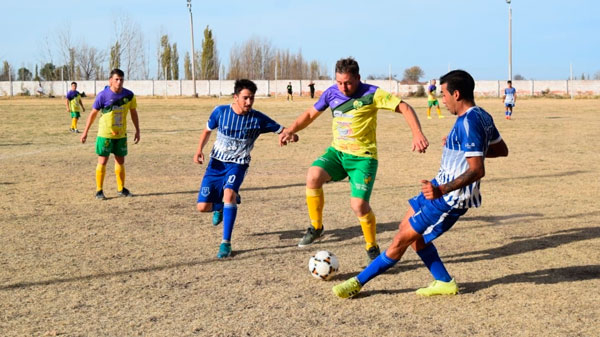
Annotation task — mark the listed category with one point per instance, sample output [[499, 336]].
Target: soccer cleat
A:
[[440, 116], [311, 236], [348, 288], [124, 193], [372, 254], [100, 195], [224, 250], [439, 288], [76, 130], [428, 117], [217, 218]]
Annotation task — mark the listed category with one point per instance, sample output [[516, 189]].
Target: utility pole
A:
[[189, 5]]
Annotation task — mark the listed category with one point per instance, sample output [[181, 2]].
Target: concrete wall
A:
[[300, 87]]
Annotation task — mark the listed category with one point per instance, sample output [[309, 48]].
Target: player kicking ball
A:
[[238, 126], [448, 196]]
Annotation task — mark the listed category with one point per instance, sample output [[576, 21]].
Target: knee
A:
[[204, 207], [316, 177], [360, 207]]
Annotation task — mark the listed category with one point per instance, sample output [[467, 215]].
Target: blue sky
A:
[[436, 34]]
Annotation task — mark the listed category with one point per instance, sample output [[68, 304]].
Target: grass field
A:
[[527, 262]]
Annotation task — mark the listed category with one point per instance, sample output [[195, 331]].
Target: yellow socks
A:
[[74, 123], [100, 173], [120, 173], [368, 223], [315, 201], [439, 112], [428, 112]]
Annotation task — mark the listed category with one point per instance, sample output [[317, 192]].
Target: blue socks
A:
[[431, 258], [229, 214], [378, 266]]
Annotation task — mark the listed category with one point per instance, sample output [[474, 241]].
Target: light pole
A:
[[509, 40], [189, 5]]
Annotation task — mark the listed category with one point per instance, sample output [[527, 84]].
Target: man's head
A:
[[347, 76], [457, 89], [116, 80], [73, 85], [509, 82], [243, 94], [433, 81]]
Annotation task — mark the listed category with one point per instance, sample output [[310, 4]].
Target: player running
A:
[[238, 126], [448, 196], [353, 152], [510, 97], [432, 100], [73, 103], [114, 102]]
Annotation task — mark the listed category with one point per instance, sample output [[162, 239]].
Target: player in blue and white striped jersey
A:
[[238, 126], [446, 198]]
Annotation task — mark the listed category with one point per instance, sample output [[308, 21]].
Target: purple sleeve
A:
[[98, 104], [323, 103]]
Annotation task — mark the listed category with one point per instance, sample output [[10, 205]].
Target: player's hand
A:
[[83, 137], [429, 190], [136, 138], [199, 158], [444, 140], [420, 143], [285, 137]]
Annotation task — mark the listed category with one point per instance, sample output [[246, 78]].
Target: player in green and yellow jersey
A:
[[353, 152], [432, 100], [114, 103], [73, 105]]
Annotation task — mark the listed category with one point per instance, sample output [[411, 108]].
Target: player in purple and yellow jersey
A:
[[113, 103], [432, 100], [73, 104], [353, 152], [448, 196], [238, 126]]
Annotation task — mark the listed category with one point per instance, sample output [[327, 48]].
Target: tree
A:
[[518, 77], [130, 53], [413, 74], [209, 61], [115, 56], [7, 72], [597, 75], [165, 57], [37, 76], [23, 74], [89, 61], [187, 66], [48, 72], [174, 61]]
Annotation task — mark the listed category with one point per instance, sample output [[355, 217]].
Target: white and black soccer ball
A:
[[323, 265]]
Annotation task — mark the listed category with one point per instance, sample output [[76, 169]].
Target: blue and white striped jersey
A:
[[471, 136], [236, 134], [510, 95]]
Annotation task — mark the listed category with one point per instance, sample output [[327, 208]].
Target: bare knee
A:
[[360, 207], [316, 177], [204, 207]]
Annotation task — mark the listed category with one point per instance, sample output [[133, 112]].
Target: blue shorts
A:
[[219, 176], [509, 105], [433, 217]]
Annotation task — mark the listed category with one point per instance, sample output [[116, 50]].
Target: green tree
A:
[[187, 66], [174, 62], [7, 73], [115, 56], [23, 74], [413, 74], [48, 72], [165, 56], [37, 76], [209, 63]]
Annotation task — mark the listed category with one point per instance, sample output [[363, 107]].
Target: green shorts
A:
[[106, 146], [361, 171], [75, 114], [432, 103]]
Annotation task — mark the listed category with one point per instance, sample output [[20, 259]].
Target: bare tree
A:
[[130, 52], [90, 61], [413, 74]]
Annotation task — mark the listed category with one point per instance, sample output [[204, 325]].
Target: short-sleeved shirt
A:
[[73, 97], [113, 109], [431, 93], [355, 118], [236, 134], [471, 136], [510, 95], [289, 89]]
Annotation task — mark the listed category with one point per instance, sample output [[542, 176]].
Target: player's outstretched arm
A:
[[136, 123], [497, 150], [419, 142], [304, 120], [199, 155], [88, 123]]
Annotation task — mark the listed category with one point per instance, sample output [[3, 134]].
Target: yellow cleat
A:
[[428, 117], [440, 116], [439, 288], [348, 288]]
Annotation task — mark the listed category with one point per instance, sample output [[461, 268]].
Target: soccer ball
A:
[[323, 265]]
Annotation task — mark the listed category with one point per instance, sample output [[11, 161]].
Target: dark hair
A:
[[73, 83], [459, 80], [244, 84], [347, 66], [509, 81], [118, 72]]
